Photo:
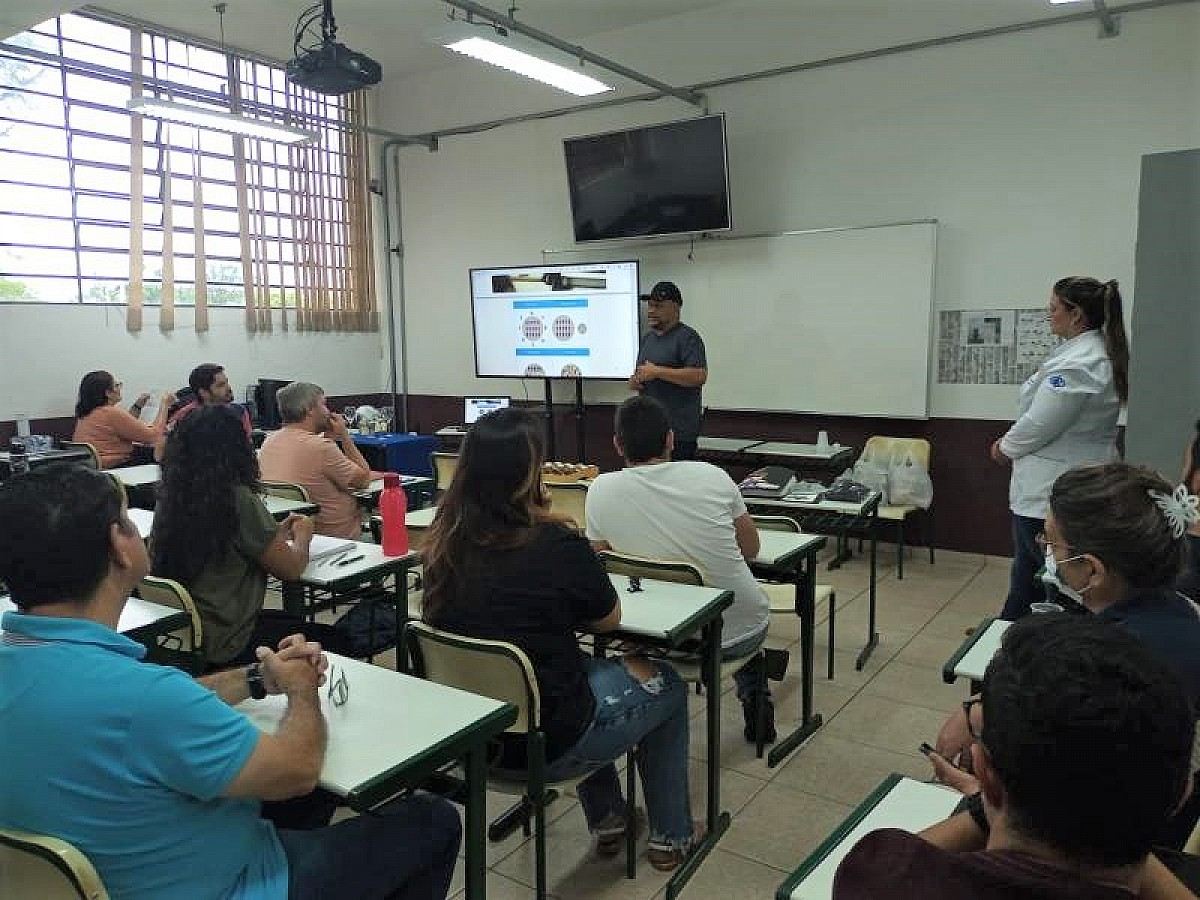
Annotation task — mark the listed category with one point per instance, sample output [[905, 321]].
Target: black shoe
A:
[[750, 713]]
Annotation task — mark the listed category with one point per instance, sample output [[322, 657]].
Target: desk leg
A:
[[806, 602], [476, 809], [841, 552], [872, 634], [717, 821]]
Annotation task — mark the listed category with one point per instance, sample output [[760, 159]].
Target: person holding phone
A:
[[119, 436], [1114, 544]]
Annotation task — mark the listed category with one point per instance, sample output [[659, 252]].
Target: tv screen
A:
[[661, 179], [571, 321]]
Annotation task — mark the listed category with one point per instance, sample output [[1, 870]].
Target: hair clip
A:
[[1180, 508]]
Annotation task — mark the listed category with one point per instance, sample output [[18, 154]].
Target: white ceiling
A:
[[651, 36]]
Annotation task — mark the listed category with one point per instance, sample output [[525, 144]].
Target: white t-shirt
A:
[[681, 511]]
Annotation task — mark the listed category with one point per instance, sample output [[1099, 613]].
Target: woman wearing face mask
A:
[[1067, 417], [1114, 543]]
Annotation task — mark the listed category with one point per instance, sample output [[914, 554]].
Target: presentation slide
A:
[[566, 321]]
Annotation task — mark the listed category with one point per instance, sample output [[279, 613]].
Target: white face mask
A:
[[1050, 576]]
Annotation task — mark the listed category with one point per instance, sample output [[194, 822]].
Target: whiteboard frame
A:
[[630, 244]]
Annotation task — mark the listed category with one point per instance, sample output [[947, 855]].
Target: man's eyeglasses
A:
[[339, 687], [1042, 543]]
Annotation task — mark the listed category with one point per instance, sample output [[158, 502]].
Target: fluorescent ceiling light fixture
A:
[[1058, 2], [499, 52], [185, 114]]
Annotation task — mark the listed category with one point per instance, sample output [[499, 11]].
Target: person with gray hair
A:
[[314, 450]]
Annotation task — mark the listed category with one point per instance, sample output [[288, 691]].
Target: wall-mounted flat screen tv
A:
[[660, 179]]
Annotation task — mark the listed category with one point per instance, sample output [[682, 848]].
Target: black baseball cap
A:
[[666, 290]]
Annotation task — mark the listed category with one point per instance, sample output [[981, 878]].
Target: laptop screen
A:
[[474, 407]]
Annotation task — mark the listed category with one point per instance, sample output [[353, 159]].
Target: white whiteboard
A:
[[837, 322]]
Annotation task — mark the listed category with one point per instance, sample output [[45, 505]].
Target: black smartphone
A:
[[925, 748]]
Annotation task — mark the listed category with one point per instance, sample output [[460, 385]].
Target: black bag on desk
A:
[[355, 624], [769, 482], [846, 491]]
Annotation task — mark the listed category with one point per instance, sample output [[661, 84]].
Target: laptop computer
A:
[[474, 407]]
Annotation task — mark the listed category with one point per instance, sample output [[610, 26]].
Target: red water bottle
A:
[[393, 506]]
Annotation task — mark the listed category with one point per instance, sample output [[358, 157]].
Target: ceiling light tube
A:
[[186, 114], [487, 45]]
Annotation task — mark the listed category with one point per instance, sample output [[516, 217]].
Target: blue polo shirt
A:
[[127, 761]]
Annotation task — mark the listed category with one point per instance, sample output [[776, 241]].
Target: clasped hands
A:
[[645, 372], [297, 665]]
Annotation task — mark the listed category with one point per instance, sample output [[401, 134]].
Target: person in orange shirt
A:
[[314, 450], [113, 431]]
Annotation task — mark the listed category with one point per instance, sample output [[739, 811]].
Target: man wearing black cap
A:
[[671, 366]]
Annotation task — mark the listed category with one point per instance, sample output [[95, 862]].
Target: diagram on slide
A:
[[556, 322]]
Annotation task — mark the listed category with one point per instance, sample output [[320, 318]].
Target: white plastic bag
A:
[[872, 472], [909, 481]]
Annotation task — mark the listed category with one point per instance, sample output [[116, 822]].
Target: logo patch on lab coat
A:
[[1056, 381]]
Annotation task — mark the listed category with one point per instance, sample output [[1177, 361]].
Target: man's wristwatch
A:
[[254, 681]]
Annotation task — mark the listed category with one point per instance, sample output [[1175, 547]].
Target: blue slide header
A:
[[563, 303], [550, 351]]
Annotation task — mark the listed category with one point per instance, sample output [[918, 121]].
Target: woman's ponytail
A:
[[1115, 341]]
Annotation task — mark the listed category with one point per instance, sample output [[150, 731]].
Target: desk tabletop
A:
[[389, 723], [798, 451], [375, 488], [779, 548], [280, 507], [451, 431], [972, 658], [138, 613], [420, 518], [727, 445], [328, 570], [136, 476], [666, 610], [898, 802], [387, 438], [143, 519]]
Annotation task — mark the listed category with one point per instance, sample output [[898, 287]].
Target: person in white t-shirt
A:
[[684, 511]]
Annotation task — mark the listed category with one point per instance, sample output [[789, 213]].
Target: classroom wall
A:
[[45, 349], [1026, 147]]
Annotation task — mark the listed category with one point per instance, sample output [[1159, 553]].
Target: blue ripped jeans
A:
[[654, 717]]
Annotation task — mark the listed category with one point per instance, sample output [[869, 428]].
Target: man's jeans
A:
[[1024, 586], [405, 851]]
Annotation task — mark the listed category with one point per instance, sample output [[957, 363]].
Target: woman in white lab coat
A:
[[1066, 417]]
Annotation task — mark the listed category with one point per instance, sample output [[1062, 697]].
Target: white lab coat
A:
[[1066, 417]]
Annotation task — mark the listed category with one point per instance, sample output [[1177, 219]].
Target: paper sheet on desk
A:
[[323, 547]]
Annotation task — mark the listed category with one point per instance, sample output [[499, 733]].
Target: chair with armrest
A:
[[683, 572], [286, 491], [881, 447], [89, 449], [569, 500], [36, 865], [170, 593], [502, 671], [782, 597], [444, 465]]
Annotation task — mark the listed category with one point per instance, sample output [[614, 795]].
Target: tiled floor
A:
[[874, 721]]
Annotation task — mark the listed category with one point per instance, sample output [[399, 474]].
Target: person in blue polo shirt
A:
[[154, 776]]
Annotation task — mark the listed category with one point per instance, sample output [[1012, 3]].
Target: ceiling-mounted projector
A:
[[324, 65]]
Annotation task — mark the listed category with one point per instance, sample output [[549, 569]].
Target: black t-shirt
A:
[[680, 348], [537, 596], [899, 865], [1167, 623]]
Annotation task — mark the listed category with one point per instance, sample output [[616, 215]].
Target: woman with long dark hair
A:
[[113, 431], [213, 534], [1067, 417], [500, 565]]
